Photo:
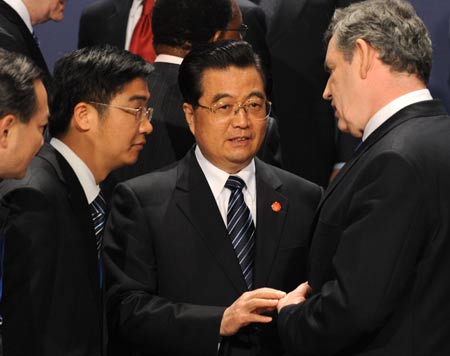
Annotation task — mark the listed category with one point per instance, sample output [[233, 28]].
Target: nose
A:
[[145, 127], [240, 117], [327, 92]]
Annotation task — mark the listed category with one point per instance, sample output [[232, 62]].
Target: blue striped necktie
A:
[[98, 207], [241, 228]]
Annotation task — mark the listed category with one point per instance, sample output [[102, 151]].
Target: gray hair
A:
[[17, 78], [390, 26]]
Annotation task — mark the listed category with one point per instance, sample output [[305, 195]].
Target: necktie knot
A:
[[235, 183]]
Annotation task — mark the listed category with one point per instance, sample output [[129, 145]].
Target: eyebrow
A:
[[256, 93], [138, 98]]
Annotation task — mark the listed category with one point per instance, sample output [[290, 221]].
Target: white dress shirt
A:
[[167, 58], [133, 18], [22, 11], [83, 173], [217, 178], [393, 107]]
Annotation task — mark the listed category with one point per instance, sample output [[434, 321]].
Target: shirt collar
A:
[[217, 178], [83, 173], [22, 11], [393, 107], [167, 58]]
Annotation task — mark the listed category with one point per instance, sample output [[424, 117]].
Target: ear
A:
[[367, 55], [83, 116], [189, 115], [6, 123], [217, 36]]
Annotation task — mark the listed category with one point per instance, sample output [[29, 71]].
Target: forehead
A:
[[135, 89], [233, 81]]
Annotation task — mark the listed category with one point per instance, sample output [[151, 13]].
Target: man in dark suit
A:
[[178, 26], [52, 294], [23, 113], [380, 252], [176, 284], [16, 21]]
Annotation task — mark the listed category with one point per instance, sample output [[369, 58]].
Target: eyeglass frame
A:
[[146, 111], [242, 29], [239, 106]]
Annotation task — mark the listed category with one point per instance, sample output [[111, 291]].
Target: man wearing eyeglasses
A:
[[197, 255], [52, 267]]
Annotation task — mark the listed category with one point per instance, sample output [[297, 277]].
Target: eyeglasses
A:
[[242, 29], [257, 109], [142, 113]]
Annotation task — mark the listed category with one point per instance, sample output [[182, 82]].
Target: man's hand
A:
[[248, 308], [298, 295]]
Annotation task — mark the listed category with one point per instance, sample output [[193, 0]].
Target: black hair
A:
[[215, 55], [187, 23], [18, 75]]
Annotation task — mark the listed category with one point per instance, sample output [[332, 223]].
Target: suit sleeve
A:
[[137, 315], [385, 227], [29, 270]]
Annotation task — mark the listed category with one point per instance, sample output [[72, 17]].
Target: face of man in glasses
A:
[[228, 143], [234, 25], [120, 135]]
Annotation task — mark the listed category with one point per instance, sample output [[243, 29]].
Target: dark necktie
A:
[[142, 39], [241, 228], [98, 219]]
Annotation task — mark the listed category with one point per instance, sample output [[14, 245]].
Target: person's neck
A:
[[171, 50], [86, 151]]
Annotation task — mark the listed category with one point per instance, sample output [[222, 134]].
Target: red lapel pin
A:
[[276, 206]]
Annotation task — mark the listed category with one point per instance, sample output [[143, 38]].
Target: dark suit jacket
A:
[[171, 138], [51, 297], [171, 269], [380, 253], [306, 121], [104, 22], [16, 37]]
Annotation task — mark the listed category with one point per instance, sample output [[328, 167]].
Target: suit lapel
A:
[[80, 209], [196, 201], [269, 224]]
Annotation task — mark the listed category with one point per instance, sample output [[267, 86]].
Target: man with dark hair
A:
[[52, 286], [380, 252], [23, 113], [17, 18], [179, 26], [196, 254]]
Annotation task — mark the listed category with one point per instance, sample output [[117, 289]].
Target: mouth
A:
[[139, 145]]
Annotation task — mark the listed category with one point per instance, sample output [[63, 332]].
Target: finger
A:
[[265, 293]]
